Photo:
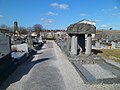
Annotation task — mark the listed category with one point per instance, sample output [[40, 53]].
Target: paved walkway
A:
[[45, 71]]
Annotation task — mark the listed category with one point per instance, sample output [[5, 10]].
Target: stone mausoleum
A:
[[77, 43]]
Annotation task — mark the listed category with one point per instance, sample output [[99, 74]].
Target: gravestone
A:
[[97, 44], [4, 46], [114, 44], [118, 44], [20, 47], [40, 40], [6, 63]]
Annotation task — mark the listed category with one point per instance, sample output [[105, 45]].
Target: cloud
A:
[[47, 21], [102, 10], [83, 14], [110, 9], [52, 13], [60, 6], [1, 16], [111, 12], [115, 14], [54, 4], [104, 26], [115, 7], [97, 20], [63, 6], [41, 19]]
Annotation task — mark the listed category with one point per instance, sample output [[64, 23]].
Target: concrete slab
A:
[[87, 76], [100, 72], [16, 55]]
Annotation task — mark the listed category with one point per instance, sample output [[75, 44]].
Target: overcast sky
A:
[[59, 14]]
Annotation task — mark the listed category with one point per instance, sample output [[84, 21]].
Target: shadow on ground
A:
[[21, 71], [95, 51], [39, 47]]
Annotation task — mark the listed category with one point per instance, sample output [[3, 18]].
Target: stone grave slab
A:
[[98, 72]]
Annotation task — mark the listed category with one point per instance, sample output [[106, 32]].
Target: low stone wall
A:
[[63, 45]]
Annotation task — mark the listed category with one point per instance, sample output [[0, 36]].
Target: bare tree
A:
[[29, 29], [23, 30], [4, 26], [38, 28]]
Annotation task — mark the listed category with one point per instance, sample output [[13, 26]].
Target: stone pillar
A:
[[68, 43], [88, 44], [74, 45]]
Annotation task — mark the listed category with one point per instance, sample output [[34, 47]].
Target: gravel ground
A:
[[50, 70], [101, 72]]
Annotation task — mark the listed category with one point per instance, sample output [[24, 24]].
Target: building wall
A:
[[54, 33]]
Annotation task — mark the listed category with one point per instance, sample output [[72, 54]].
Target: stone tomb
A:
[[95, 70], [76, 37], [6, 63]]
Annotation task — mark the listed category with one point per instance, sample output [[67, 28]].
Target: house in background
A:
[[6, 31], [54, 34]]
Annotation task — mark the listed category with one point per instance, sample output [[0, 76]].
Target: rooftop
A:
[[82, 27]]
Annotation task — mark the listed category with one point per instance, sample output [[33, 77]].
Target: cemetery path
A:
[[49, 69]]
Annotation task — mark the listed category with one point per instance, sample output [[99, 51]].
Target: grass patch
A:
[[113, 54]]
